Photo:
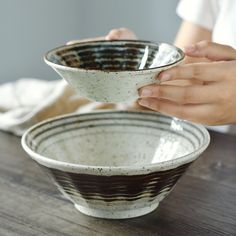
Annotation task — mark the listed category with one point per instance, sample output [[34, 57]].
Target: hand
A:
[[210, 101], [121, 33], [114, 34]]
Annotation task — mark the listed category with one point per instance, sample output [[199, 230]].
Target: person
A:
[[207, 35], [203, 89]]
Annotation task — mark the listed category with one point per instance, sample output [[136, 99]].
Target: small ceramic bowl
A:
[[112, 71], [115, 164]]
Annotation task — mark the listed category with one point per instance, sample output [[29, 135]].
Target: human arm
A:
[[190, 33]]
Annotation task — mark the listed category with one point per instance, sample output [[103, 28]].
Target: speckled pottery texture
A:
[[112, 71], [115, 164]]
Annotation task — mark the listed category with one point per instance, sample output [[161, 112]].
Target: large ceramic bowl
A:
[[115, 164], [112, 71]]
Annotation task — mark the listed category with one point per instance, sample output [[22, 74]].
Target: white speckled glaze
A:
[[115, 164], [137, 64]]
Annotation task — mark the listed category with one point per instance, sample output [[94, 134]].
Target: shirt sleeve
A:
[[199, 12]]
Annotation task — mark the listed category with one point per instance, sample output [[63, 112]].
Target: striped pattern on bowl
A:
[[112, 71], [116, 55], [115, 164]]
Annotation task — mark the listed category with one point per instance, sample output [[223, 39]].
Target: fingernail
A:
[[164, 77], [190, 48], [146, 93], [143, 102]]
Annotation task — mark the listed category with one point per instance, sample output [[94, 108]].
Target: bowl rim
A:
[[114, 170], [75, 69]]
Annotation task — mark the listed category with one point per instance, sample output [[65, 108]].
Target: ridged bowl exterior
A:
[[117, 196], [120, 191]]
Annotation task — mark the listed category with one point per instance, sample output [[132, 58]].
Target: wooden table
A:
[[202, 203]]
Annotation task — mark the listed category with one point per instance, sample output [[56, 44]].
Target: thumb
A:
[[211, 51]]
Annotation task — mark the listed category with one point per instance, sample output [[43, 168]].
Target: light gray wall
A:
[[28, 28]]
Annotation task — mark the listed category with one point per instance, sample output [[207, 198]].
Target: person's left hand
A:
[[114, 34], [211, 101]]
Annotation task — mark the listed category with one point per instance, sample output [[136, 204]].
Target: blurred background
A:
[[29, 28]]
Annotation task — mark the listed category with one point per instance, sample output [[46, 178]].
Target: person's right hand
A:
[[209, 102], [114, 34]]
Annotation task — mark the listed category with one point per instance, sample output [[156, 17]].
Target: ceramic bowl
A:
[[112, 71], [115, 164]]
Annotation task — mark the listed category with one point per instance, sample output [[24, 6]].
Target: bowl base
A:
[[125, 214]]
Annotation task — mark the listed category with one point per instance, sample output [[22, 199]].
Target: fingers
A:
[[121, 33], [196, 94], [115, 34], [211, 51], [207, 71], [194, 113], [85, 40]]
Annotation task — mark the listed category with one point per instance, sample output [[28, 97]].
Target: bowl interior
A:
[[116, 139], [115, 55]]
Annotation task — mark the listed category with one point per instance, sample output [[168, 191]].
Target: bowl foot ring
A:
[[124, 214]]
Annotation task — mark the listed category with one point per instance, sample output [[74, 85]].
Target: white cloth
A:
[[26, 102], [218, 16]]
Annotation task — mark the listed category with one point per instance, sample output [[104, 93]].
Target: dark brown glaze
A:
[[106, 56], [117, 187]]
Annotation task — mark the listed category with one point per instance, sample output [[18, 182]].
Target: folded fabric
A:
[[26, 102]]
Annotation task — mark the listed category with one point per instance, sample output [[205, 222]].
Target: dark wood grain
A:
[[202, 203]]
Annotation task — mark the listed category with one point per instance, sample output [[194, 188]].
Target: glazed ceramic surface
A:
[[115, 164], [112, 71]]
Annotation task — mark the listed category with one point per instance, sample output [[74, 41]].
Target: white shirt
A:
[[218, 16]]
